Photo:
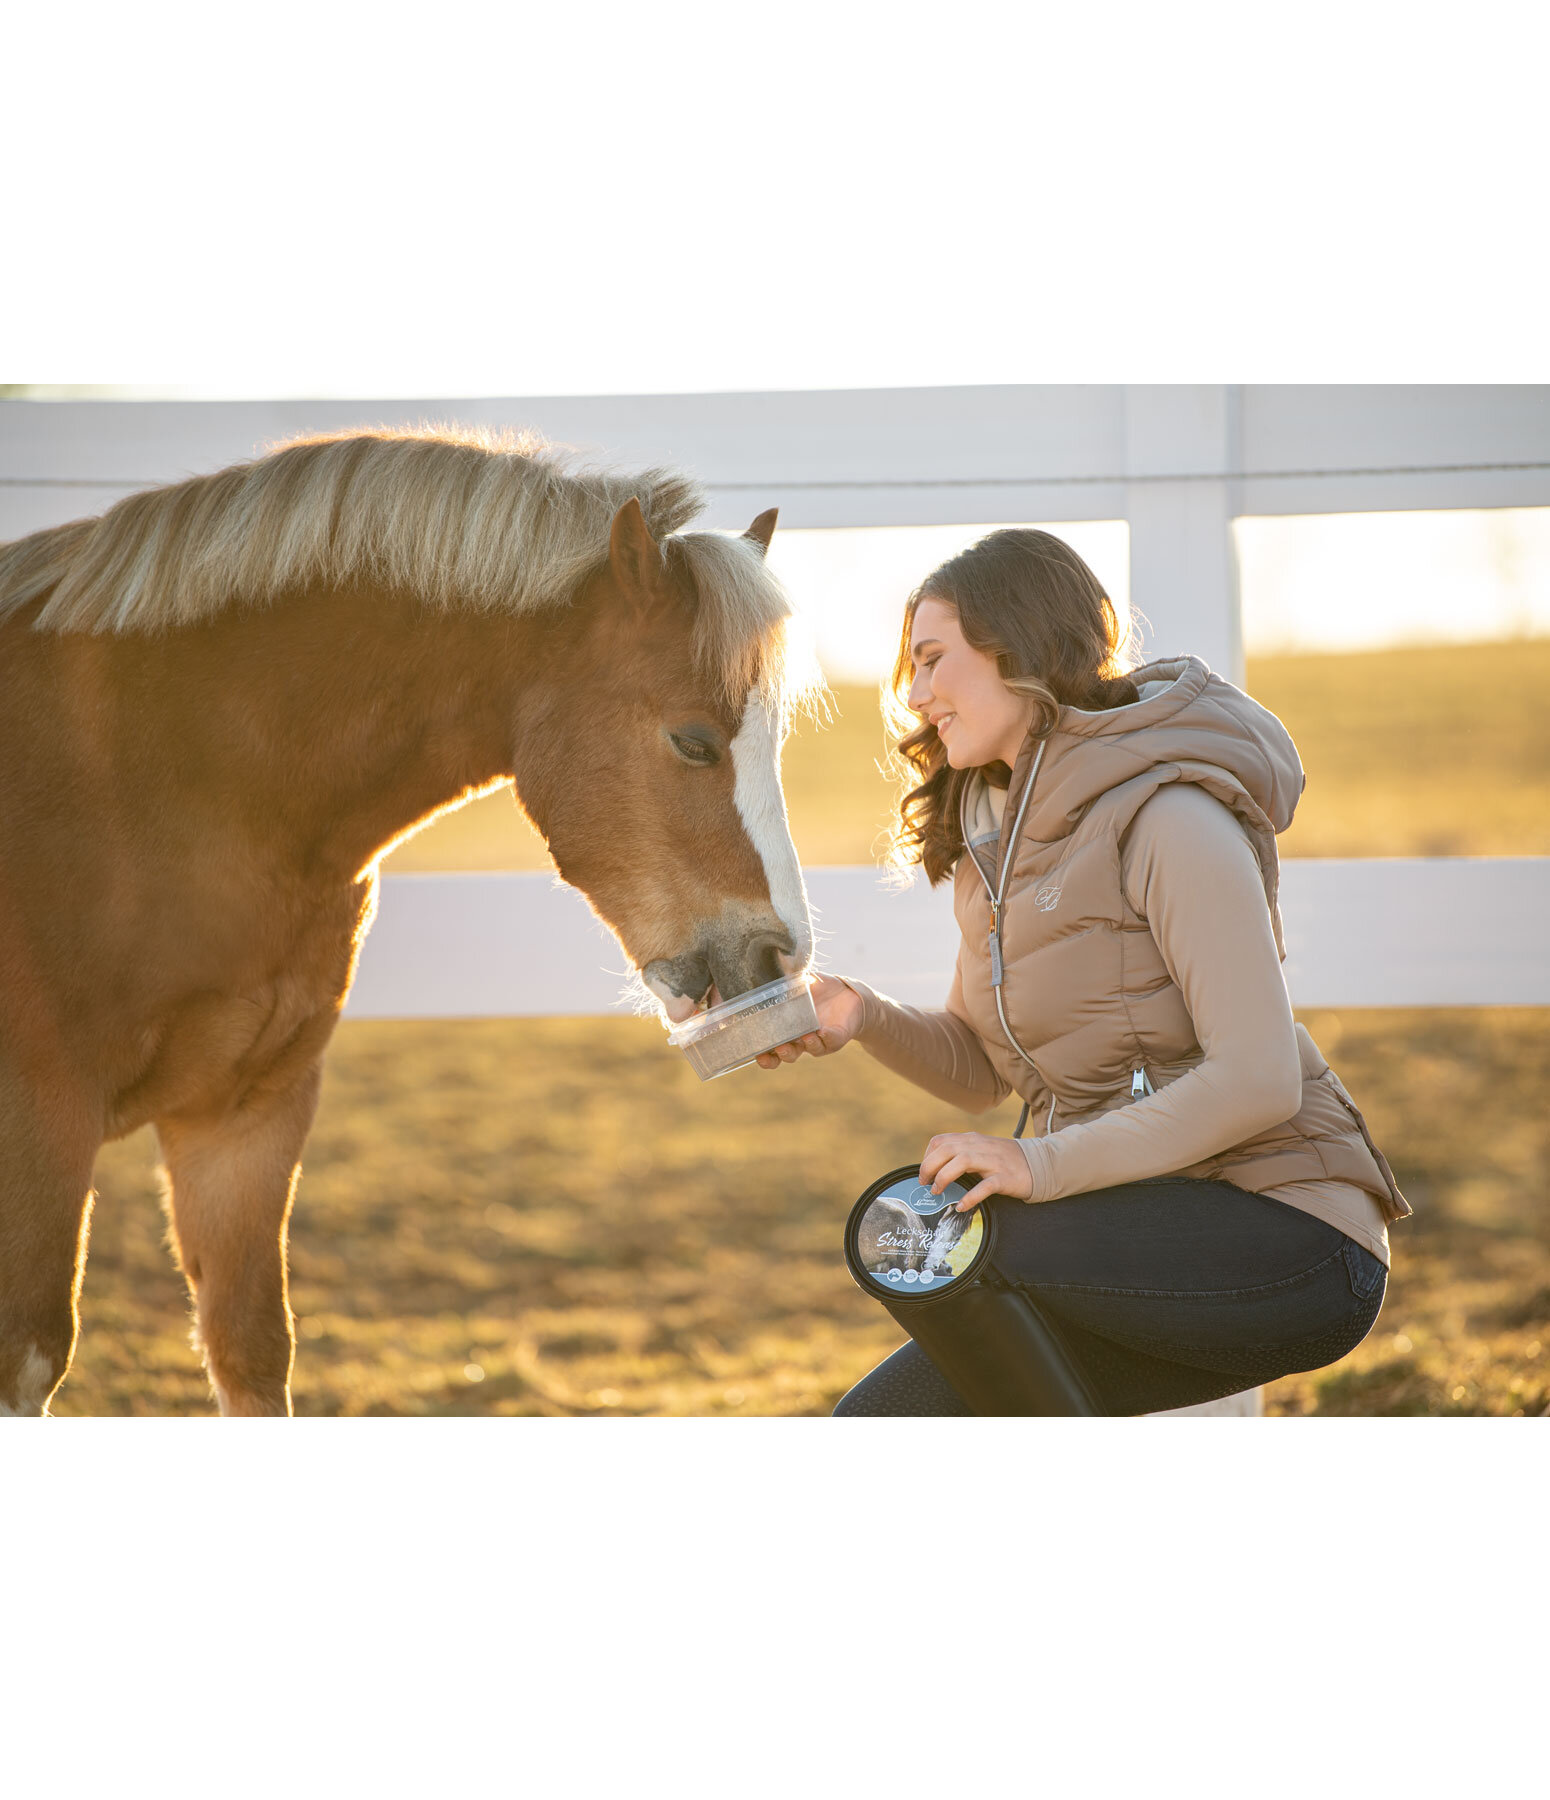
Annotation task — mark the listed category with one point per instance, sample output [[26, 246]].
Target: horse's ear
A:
[[763, 529], [633, 554]]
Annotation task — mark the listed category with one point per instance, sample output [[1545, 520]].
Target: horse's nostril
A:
[[765, 962], [685, 976], [752, 963], [767, 949]]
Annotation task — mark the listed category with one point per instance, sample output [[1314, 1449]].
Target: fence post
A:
[[1183, 565]]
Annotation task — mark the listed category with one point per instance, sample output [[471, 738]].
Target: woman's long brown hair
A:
[[1031, 602]]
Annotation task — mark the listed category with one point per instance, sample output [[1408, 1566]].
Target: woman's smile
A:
[[958, 689]]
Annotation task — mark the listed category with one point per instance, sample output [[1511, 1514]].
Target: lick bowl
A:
[[731, 1035]]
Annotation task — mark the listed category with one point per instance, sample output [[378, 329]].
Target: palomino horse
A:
[[222, 701]]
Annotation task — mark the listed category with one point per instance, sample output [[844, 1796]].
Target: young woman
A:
[[1198, 1207]]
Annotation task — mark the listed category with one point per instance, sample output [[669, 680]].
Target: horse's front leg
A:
[[48, 1137], [231, 1180]]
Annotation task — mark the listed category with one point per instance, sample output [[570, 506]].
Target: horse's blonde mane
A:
[[471, 519]]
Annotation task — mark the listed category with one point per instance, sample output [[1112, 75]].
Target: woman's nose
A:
[[920, 693]]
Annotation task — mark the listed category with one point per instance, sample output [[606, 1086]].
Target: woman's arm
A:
[[937, 1050], [1191, 873]]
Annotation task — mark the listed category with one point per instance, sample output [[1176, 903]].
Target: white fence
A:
[[1434, 931]]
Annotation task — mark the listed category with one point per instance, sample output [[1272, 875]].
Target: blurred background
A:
[[551, 1215]]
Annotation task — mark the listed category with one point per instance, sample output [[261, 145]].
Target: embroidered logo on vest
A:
[[1047, 898]]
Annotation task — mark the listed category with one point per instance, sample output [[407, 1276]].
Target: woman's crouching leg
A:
[[906, 1385]]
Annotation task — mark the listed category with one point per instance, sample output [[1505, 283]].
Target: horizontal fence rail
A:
[[1177, 463], [1406, 931], [879, 456]]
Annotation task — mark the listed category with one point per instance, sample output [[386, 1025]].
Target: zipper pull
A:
[[995, 945], [1140, 1086]]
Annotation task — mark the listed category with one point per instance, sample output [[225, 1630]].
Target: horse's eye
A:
[[694, 750]]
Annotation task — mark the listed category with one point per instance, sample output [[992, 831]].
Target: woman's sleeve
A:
[[938, 1051], [1191, 873]]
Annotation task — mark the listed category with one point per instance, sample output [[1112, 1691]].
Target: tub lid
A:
[[912, 1242]]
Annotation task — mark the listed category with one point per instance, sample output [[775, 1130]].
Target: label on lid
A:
[[911, 1241]]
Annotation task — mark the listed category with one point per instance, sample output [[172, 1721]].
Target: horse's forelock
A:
[[746, 634]]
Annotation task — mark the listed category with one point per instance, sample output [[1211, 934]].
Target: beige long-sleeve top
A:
[[1181, 846]]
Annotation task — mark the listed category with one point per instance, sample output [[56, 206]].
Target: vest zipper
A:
[[1140, 1081], [998, 898]]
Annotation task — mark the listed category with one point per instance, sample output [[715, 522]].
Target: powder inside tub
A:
[[731, 1035]]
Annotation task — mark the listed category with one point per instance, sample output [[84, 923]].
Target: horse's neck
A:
[[344, 719]]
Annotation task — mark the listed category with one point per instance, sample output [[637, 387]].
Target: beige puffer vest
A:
[[1087, 1017]]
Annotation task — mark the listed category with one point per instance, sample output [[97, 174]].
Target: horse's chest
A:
[[259, 1027]]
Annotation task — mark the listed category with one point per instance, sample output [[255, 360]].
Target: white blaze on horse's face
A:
[[746, 942], [762, 807]]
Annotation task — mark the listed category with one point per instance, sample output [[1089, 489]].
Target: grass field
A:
[[553, 1216]]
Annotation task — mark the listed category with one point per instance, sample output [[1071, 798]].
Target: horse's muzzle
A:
[[730, 961]]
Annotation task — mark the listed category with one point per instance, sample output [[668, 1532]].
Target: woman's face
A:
[[960, 691]]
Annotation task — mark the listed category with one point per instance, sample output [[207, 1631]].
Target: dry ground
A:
[[553, 1216]]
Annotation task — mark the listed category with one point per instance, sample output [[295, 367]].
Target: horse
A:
[[223, 700]]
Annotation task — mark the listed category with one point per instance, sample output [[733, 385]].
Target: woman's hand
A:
[[839, 1019], [999, 1160]]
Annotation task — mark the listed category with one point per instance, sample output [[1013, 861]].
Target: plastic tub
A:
[[913, 1244], [731, 1035]]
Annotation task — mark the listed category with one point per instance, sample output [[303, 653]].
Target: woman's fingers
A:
[[998, 1163], [813, 1044], [936, 1154], [949, 1172], [976, 1194], [939, 1152]]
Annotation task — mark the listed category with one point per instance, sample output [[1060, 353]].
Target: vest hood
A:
[[1186, 717]]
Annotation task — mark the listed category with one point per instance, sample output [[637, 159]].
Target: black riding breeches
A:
[[1165, 1293]]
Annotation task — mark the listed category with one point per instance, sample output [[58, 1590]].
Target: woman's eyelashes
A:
[[923, 673]]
